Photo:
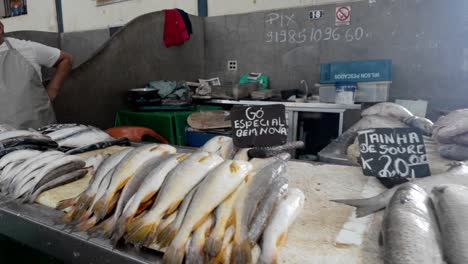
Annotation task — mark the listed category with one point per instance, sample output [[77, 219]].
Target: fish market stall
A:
[[154, 203], [311, 239]]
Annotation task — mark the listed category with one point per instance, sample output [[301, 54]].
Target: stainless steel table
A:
[[293, 109], [34, 226]]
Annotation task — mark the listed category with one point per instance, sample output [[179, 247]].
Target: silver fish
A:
[[126, 170], [242, 154], [449, 126], [451, 207], [22, 171], [215, 188], [224, 217], [224, 254], [59, 181], [88, 195], [392, 110], [132, 186], [150, 186], [179, 182], [275, 233], [19, 155], [246, 205], [55, 168], [409, 230], [454, 152], [84, 138], [167, 234], [221, 145], [456, 175], [461, 139], [422, 124], [195, 252], [277, 191], [8, 168], [67, 132], [19, 133]]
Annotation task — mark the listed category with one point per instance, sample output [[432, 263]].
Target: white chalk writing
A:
[[298, 36]]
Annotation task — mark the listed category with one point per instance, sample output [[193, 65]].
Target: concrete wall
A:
[[41, 16], [225, 7], [135, 55], [83, 44], [430, 57], [85, 15]]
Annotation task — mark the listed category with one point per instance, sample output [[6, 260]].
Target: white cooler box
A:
[[367, 92]]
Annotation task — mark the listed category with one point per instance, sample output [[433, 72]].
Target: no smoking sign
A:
[[343, 15]]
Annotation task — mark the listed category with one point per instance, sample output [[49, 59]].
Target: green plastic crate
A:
[[171, 125]]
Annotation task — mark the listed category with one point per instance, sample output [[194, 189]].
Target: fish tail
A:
[[86, 225], [100, 208], [213, 246], [363, 206], [84, 216], [241, 253], [119, 231], [139, 236], [174, 255], [195, 257], [104, 229], [166, 235], [68, 217], [64, 204]]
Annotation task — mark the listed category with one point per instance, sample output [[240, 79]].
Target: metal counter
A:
[[34, 226]]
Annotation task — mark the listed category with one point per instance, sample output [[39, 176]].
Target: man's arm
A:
[[64, 66]]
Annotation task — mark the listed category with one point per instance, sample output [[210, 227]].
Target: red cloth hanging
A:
[[175, 30]]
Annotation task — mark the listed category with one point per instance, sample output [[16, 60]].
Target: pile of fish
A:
[[345, 150], [422, 228], [451, 132], [69, 138], [26, 173], [213, 205]]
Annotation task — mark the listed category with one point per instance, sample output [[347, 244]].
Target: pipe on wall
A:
[[58, 8], [203, 8]]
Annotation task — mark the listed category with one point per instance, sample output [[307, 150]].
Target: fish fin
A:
[[166, 236], [104, 229], [100, 208], [139, 235], [86, 225], [364, 207], [281, 239], [174, 255], [83, 217], [64, 204], [85, 201], [119, 231], [241, 253], [213, 246]]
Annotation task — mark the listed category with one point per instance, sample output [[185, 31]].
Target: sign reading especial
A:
[[393, 152], [259, 126]]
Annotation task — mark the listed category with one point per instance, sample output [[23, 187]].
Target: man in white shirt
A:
[[24, 102]]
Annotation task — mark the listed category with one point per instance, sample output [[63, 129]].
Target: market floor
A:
[[17, 253]]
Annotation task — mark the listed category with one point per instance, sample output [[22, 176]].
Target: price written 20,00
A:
[[293, 36]]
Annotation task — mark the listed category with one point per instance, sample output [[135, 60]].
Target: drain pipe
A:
[[58, 8], [203, 8]]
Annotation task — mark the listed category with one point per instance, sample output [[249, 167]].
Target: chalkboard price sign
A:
[[393, 153], [259, 126]]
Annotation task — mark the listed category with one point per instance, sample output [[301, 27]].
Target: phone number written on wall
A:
[[298, 36]]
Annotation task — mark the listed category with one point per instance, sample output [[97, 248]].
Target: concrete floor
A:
[[17, 253]]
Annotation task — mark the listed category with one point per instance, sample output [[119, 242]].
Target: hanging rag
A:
[[187, 21], [175, 31]]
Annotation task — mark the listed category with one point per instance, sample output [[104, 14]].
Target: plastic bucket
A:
[[345, 92]]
